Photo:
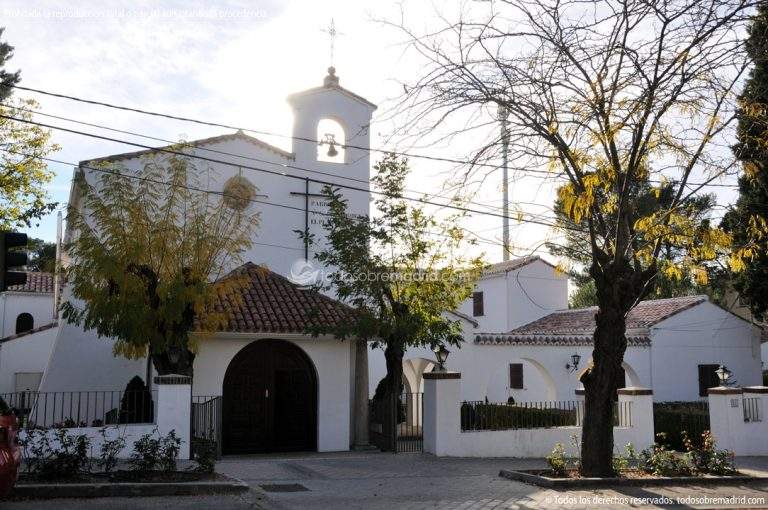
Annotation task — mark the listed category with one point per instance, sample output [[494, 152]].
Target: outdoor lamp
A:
[[441, 353], [723, 374], [574, 364]]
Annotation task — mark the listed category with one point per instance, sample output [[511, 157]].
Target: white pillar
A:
[[442, 412], [579, 406], [636, 412], [174, 409], [726, 417], [755, 438]]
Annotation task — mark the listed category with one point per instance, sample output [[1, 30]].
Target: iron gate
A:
[[396, 425], [206, 421]]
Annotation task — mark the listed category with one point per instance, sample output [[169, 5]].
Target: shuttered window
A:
[[516, 376], [477, 304], [707, 378]]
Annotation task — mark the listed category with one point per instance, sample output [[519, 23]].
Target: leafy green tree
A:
[[401, 270], [575, 248], [147, 255], [42, 256], [23, 175], [7, 79], [747, 220], [606, 96]]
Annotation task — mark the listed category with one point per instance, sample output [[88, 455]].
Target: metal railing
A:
[[206, 420], [480, 415], [66, 409], [752, 411], [672, 418]]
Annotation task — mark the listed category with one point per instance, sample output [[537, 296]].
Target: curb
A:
[[128, 489], [566, 483]]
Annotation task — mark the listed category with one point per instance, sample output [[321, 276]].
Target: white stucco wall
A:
[[81, 361], [485, 369], [12, 304], [703, 334], [518, 297], [332, 361], [28, 353]]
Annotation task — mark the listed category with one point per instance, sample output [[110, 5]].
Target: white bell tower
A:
[[331, 131]]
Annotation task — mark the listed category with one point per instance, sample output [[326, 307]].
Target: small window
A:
[[24, 322], [707, 378], [516, 376], [477, 304], [330, 141]]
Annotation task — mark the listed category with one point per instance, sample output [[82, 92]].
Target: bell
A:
[[332, 152]]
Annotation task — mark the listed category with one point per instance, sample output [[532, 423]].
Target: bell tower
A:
[[331, 133]]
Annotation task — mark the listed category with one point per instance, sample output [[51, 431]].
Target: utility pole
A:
[[503, 115]]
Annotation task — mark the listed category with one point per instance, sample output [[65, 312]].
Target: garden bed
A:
[[129, 484], [572, 479]]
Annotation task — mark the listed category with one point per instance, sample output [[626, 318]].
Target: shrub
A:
[[169, 451], [706, 458], [152, 452], [56, 456], [110, 449], [205, 455], [556, 460], [146, 453], [660, 461]]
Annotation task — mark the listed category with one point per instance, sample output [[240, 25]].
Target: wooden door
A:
[[269, 400]]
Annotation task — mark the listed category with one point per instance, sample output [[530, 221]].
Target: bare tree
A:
[[609, 97]]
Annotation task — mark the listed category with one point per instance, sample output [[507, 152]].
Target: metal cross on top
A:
[[332, 34]]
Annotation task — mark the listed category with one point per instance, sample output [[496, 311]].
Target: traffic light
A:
[[11, 259]]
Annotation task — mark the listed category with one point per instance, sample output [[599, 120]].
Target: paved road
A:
[[407, 481]]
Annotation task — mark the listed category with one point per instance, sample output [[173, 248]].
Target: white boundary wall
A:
[[443, 436], [174, 402], [728, 421]]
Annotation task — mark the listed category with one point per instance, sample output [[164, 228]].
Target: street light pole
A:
[[503, 115]]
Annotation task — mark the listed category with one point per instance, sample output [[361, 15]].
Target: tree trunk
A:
[[618, 286], [393, 354], [183, 360]]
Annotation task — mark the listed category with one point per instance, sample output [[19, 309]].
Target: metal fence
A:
[[206, 421], [480, 415], [752, 411], [409, 437], [671, 419], [66, 409], [396, 424]]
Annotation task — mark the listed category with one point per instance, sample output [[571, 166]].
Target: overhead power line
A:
[[292, 137], [276, 172], [217, 151], [207, 191]]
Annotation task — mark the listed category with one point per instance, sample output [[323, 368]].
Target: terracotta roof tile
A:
[[41, 283], [270, 303], [576, 326], [582, 320]]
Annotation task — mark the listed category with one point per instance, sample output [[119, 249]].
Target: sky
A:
[[235, 64]]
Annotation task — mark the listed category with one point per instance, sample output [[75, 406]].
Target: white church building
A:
[[283, 390]]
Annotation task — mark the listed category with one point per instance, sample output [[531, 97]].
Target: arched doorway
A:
[[270, 400]]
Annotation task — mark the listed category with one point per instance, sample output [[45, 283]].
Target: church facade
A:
[[280, 388]]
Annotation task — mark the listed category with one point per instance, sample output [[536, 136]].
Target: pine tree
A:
[[7, 79], [751, 210]]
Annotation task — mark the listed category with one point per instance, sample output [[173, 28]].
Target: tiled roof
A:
[[38, 329], [40, 283], [238, 135], [511, 265], [576, 326], [270, 303]]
